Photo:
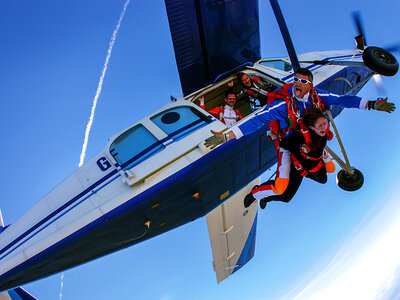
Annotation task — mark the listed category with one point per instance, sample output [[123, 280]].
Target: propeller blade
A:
[[393, 48], [285, 34], [360, 38]]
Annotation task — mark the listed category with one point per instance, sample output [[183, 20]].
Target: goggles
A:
[[302, 80]]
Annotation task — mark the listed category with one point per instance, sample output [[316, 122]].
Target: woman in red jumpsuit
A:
[[297, 159]]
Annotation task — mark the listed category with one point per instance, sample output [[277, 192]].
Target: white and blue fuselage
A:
[[152, 177]]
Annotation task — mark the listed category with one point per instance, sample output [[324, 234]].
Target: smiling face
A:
[[301, 89], [246, 80], [320, 126], [230, 99]]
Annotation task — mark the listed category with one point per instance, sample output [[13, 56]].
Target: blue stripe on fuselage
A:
[[60, 209], [134, 211], [319, 66]]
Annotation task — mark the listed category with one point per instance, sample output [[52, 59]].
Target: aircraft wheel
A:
[[349, 182], [380, 61]]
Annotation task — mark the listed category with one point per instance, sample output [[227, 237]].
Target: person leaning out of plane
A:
[[305, 148], [253, 87], [227, 114], [302, 94]]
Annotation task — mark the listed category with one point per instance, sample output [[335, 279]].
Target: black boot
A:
[[263, 203], [248, 200]]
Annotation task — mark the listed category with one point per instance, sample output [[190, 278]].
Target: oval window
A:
[[170, 117], [180, 121]]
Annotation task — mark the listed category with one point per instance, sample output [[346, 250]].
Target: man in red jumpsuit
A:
[[226, 114]]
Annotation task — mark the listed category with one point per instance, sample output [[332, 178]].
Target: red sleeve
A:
[[215, 112], [239, 114]]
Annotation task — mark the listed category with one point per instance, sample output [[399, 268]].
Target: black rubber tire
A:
[[350, 182], [380, 61]]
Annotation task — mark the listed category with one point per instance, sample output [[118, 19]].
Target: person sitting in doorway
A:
[[227, 114]]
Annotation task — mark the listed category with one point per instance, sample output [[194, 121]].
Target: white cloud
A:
[[361, 268]]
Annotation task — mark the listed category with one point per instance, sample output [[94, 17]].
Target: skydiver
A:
[[291, 102], [226, 114], [305, 148]]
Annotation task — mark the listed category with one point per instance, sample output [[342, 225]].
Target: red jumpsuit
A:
[[316, 163], [225, 114]]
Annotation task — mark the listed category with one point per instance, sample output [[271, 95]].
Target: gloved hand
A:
[[382, 105], [216, 139], [299, 167], [326, 156]]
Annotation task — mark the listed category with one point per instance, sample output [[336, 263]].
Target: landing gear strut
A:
[[349, 178]]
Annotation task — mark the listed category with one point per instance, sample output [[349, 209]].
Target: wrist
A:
[[229, 135], [371, 104]]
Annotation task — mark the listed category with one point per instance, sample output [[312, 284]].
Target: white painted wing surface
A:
[[232, 231]]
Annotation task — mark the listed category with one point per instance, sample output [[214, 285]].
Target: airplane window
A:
[[134, 146], [179, 122], [170, 117], [277, 64]]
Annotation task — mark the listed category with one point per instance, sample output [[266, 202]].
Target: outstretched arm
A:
[[277, 110], [355, 102], [381, 105]]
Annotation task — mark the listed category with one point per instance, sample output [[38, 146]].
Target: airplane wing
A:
[[212, 37], [232, 231]]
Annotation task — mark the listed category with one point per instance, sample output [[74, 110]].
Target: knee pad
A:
[[330, 167], [280, 185]]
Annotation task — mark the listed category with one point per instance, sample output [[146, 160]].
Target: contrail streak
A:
[[61, 286], [89, 125]]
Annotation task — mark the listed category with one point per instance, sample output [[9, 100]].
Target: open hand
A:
[[216, 139], [383, 105]]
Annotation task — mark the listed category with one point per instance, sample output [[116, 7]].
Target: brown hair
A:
[[230, 91], [312, 116], [239, 76], [305, 72]]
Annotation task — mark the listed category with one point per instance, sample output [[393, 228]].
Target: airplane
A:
[[129, 193]]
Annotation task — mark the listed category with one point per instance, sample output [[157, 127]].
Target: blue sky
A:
[[53, 54]]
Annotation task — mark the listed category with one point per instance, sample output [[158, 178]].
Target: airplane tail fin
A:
[[16, 294]]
